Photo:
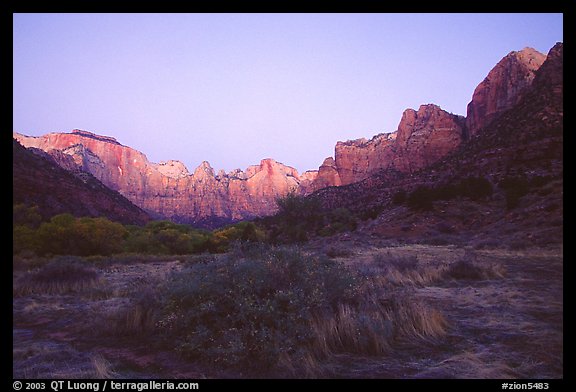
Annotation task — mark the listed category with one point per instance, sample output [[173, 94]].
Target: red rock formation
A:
[[52, 182], [307, 181], [327, 175], [358, 159], [503, 87], [167, 189], [425, 136]]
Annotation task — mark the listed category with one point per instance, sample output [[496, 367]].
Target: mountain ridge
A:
[[55, 187], [168, 190]]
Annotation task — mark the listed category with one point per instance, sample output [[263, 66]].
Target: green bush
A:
[[165, 237], [65, 234], [474, 188], [252, 307], [59, 276], [515, 188], [297, 217], [23, 215], [241, 231], [399, 197], [421, 198]]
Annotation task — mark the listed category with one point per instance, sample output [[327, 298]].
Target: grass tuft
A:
[[58, 277]]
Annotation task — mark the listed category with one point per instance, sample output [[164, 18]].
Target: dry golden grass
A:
[[424, 312], [353, 331], [402, 268], [57, 278], [102, 369], [469, 365]]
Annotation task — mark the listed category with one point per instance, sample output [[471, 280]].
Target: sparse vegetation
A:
[[515, 188], [469, 270], [422, 198], [261, 311], [253, 309], [58, 277]]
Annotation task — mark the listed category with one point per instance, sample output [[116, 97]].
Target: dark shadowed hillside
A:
[[38, 180]]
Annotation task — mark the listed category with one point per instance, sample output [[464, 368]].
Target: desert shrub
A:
[[66, 235], [489, 243], [445, 228], [60, 276], [370, 212], [540, 181], [515, 188], [421, 198], [399, 197], [242, 231], [465, 269], [337, 221], [24, 215], [338, 251], [474, 188], [138, 318], [252, 310], [520, 244]]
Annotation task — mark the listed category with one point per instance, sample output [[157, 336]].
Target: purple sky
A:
[[235, 88]]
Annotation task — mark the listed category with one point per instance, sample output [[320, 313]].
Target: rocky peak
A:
[[425, 136], [503, 87], [271, 167], [204, 170], [173, 169], [357, 159], [328, 162], [107, 139], [327, 175]]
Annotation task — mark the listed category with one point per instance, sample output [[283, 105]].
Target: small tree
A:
[[421, 198], [298, 215], [515, 188]]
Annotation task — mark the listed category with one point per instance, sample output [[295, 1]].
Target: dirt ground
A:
[[503, 327]]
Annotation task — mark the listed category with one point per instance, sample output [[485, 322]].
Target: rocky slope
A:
[[39, 180], [522, 145]]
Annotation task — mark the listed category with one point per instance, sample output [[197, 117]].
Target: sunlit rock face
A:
[[167, 189], [428, 134], [53, 183], [504, 86], [357, 159], [422, 138], [425, 136]]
